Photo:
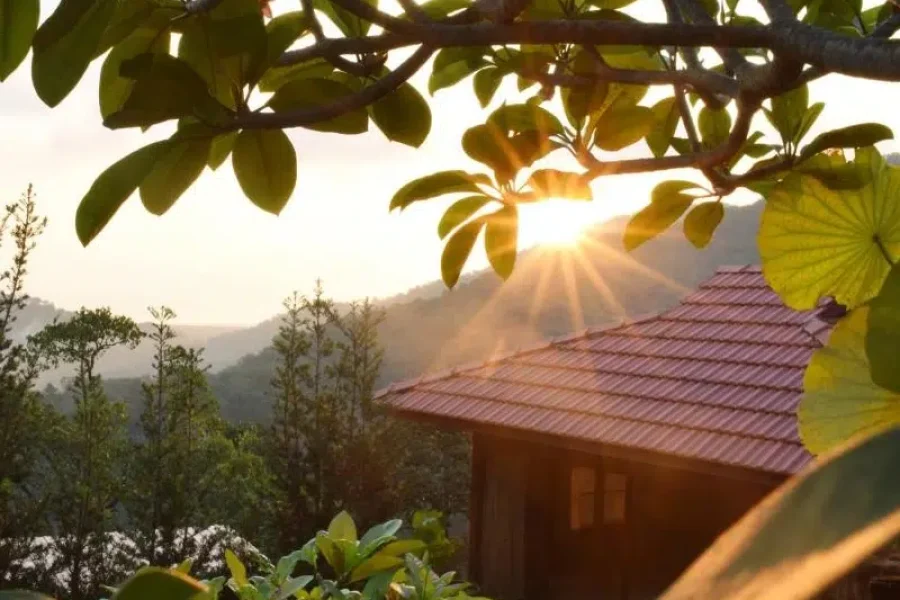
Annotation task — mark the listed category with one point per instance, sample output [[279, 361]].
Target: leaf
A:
[[883, 334], [519, 118], [133, 15], [282, 32], [551, 183], [438, 9], [313, 92], [22, 595], [817, 242], [437, 184], [115, 89], [112, 189], [457, 251], [165, 88], [373, 565], [809, 118], [403, 547], [185, 566], [809, 532], [665, 117], [609, 4], [379, 532], [622, 127], [855, 136], [459, 212], [276, 77], [403, 116], [501, 238], [333, 555], [788, 110], [292, 586], [838, 177], [452, 65], [342, 527], [668, 189], [266, 167], [580, 102], [701, 222], [486, 83], [150, 583], [714, 126], [236, 568], [65, 44], [174, 172], [668, 202], [221, 148], [18, 23]]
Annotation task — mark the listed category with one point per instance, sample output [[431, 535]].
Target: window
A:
[[583, 493], [615, 492]]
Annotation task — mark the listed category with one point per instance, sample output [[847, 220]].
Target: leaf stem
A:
[[884, 251]]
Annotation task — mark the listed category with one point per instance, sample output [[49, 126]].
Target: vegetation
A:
[[829, 228], [86, 500]]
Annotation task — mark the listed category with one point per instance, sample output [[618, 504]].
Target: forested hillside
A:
[[552, 292]]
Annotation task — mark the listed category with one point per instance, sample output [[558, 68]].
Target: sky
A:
[[216, 259]]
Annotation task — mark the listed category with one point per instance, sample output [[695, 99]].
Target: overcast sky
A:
[[215, 258]]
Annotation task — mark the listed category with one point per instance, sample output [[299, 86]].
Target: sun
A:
[[557, 223]]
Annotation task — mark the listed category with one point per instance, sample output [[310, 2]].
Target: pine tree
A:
[[87, 482]]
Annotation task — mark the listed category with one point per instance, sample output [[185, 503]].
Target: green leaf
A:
[[883, 334], [855, 136], [342, 527], [486, 83], [236, 568], [714, 126], [665, 118], [65, 45], [551, 183], [668, 202], [221, 148], [165, 88], [333, 555], [266, 167], [457, 251], [133, 15], [18, 23], [349, 24], [501, 238], [503, 153], [837, 177], [459, 212], [373, 565], [673, 188], [809, 118], [701, 222], [437, 184], [282, 32], [817, 242], [609, 4], [519, 118], [403, 116], [174, 172], [622, 127], [22, 595], [809, 532], [151, 583], [276, 77], [292, 586], [580, 102], [185, 566], [788, 110], [312, 92], [113, 188], [376, 534], [115, 89], [404, 547], [452, 65]]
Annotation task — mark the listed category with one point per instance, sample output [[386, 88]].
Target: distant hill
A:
[[552, 292]]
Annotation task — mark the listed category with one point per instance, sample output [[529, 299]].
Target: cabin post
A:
[[476, 507]]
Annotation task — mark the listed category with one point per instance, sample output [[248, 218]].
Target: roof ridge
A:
[[796, 442], [405, 384]]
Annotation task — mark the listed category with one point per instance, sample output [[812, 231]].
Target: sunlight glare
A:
[[558, 223]]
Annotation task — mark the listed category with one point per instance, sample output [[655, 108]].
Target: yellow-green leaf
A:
[[115, 89], [883, 335], [714, 126], [665, 116], [459, 212], [312, 92], [437, 184], [701, 222], [457, 251], [817, 242], [18, 22], [236, 568], [374, 564], [808, 533], [174, 172], [342, 527], [153, 583], [403, 547], [332, 553], [622, 127], [222, 145], [855, 136], [788, 110], [403, 116], [501, 238], [265, 164], [551, 183], [654, 219]]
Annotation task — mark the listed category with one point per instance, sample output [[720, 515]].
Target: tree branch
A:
[[698, 79], [414, 11], [361, 99], [694, 11], [369, 13]]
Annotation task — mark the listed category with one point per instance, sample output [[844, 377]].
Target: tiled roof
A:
[[717, 378]]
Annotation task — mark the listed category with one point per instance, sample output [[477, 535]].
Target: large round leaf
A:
[[883, 336], [265, 164], [817, 242], [403, 116], [18, 22], [65, 45], [152, 583], [840, 400]]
